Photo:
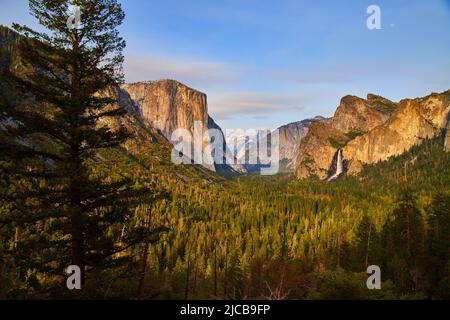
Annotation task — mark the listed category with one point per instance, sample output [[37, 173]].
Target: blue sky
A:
[[267, 63]]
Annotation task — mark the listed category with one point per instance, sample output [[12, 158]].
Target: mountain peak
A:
[[169, 105], [163, 82], [371, 130]]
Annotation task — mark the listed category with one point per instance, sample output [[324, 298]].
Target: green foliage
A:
[[339, 142], [354, 133], [278, 237], [437, 247], [344, 285], [385, 106], [73, 190], [403, 241], [284, 233], [59, 207]]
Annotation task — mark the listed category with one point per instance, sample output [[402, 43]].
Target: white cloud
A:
[[225, 106], [191, 72]]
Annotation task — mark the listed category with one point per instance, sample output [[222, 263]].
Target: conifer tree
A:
[[438, 244], [52, 132], [366, 240], [403, 239]]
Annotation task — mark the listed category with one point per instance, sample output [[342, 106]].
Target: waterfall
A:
[[339, 166], [339, 163]]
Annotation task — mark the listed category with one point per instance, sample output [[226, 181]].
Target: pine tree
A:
[[55, 127], [403, 239], [366, 241], [438, 244]]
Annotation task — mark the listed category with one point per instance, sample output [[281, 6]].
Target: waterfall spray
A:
[[339, 166], [339, 163]]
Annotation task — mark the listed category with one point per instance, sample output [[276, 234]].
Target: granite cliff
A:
[[154, 108], [370, 130], [290, 137], [169, 105], [414, 121]]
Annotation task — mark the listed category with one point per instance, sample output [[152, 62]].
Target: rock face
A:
[[225, 168], [354, 116], [447, 138], [133, 121], [370, 130], [9, 59], [290, 137], [169, 105], [162, 106], [8, 43], [414, 121]]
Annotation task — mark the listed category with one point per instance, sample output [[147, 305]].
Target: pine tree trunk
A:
[[215, 273], [188, 266], [16, 237], [76, 172], [408, 232], [225, 286], [194, 287], [339, 249], [144, 258], [145, 251], [368, 247], [78, 247], [186, 289]]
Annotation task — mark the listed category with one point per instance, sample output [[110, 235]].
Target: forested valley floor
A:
[[259, 237]]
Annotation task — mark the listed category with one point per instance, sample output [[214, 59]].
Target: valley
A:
[[88, 179], [243, 238]]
